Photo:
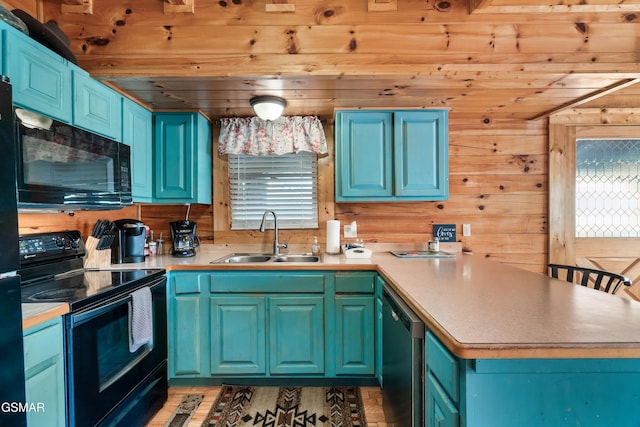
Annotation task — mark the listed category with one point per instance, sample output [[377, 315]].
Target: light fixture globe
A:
[[268, 107]]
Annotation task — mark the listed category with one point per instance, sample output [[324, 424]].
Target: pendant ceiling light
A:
[[268, 107]]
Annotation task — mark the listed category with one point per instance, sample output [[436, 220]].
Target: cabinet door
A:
[[238, 335], [420, 154], [355, 347], [296, 335], [440, 411], [97, 108], [137, 131], [41, 80], [44, 374], [187, 341], [174, 143], [379, 343], [364, 155]]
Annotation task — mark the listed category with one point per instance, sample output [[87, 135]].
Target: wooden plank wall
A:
[[498, 184]]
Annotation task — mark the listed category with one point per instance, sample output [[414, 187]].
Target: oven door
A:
[[105, 378]]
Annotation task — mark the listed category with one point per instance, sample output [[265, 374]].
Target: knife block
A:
[[95, 258]]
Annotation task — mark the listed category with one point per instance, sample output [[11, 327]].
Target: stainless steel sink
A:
[[243, 258], [247, 258], [296, 258]]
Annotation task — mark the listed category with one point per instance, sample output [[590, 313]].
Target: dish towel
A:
[[140, 318]]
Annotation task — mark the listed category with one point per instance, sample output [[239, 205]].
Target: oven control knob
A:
[[60, 242], [75, 244]]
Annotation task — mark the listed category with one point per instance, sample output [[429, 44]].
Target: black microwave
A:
[[59, 166]]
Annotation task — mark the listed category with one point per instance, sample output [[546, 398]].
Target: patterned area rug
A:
[[185, 410], [287, 407]]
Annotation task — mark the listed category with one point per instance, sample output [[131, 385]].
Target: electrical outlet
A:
[[466, 229]]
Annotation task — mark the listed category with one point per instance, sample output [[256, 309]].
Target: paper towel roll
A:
[[333, 237]]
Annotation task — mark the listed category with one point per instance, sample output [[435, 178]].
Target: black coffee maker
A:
[[183, 238], [128, 246]]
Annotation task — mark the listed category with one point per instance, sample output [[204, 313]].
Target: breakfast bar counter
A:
[[504, 347], [480, 308]]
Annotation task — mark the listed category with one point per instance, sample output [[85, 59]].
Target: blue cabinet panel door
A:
[[366, 160], [238, 335], [421, 167], [296, 335]]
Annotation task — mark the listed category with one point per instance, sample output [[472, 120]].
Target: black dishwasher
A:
[[402, 363]]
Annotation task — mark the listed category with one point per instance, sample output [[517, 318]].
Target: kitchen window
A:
[[286, 184]]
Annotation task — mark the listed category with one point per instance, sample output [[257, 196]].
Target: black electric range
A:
[[51, 269], [108, 382]]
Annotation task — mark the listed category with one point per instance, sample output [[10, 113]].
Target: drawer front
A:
[[363, 283], [444, 366], [190, 283], [42, 345], [271, 283]]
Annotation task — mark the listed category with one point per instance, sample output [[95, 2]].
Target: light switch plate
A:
[[466, 229]]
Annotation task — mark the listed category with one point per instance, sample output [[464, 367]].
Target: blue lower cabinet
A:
[[238, 336], [296, 335], [355, 347], [285, 324], [44, 373], [440, 410], [529, 392], [188, 339]]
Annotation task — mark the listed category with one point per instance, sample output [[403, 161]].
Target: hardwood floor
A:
[[371, 398]]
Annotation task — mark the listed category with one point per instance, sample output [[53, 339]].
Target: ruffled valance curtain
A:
[[257, 137]]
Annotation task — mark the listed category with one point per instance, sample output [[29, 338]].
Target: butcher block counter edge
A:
[[467, 302], [35, 313]]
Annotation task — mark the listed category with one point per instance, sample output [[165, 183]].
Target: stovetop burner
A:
[[55, 294], [87, 287]]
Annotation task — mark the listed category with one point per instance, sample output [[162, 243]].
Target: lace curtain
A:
[[257, 137]]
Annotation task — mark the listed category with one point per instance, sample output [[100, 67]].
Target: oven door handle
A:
[[85, 316]]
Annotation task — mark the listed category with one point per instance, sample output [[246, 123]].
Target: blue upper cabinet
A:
[[182, 169], [391, 155], [96, 107], [41, 79], [137, 132]]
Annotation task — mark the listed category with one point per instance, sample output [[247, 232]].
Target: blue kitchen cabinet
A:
[[355, 323], [182, 158], [44, 374], [296, 334], [378, 326], [96, 107], [238, 335], [281, 323], [188, 340], [391, 155], [41, 79], [442, 394], [137, 132], [528, 392], [271, 324]]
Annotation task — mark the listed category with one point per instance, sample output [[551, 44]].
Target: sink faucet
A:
[[276, 246]]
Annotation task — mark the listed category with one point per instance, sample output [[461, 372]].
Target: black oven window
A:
[[114, 357]]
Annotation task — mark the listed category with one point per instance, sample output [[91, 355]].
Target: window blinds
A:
[[285, 184]]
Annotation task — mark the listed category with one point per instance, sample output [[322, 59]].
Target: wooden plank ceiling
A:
[[484, 60]]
